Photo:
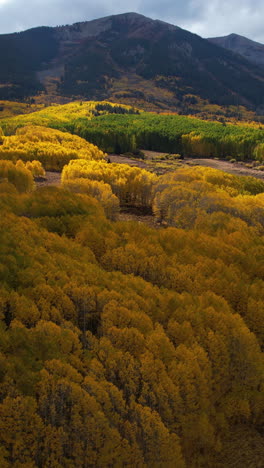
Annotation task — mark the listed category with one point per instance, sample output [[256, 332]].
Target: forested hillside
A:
[[118, 128], [129, 57], [123, 344]]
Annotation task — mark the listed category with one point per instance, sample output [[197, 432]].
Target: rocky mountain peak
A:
[[251, 50]]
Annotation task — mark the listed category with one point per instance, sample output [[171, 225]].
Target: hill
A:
[[251, 50], [126, 57], [119, 128]]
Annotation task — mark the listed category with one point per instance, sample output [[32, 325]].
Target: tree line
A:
[[118, 129]]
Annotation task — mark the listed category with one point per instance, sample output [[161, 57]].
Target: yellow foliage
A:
[[18, 175], [131, 185], [97, 189], [12, 108], [123, 345], [58, 114], [52, 148]]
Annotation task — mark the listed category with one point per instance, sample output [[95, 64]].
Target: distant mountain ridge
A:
[[123, 56], [251, 50]]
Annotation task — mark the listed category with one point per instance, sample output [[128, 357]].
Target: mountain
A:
[[251, 50], [126, 56]]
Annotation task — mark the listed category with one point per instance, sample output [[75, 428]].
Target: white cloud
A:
[[220, 18]]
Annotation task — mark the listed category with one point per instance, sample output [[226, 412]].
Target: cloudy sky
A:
[[205, 17]]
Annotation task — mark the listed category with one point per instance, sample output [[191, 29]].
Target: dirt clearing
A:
[[156, 162]]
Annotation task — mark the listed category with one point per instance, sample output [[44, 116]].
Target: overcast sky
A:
[[207, 18]]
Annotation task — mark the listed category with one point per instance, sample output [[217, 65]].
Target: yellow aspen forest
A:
[[52, 148], [124, 342]]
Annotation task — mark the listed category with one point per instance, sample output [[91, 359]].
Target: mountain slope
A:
[[251, 50], [128, 55]]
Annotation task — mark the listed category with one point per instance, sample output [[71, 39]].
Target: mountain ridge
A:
[[129, 56], [253, 51]]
